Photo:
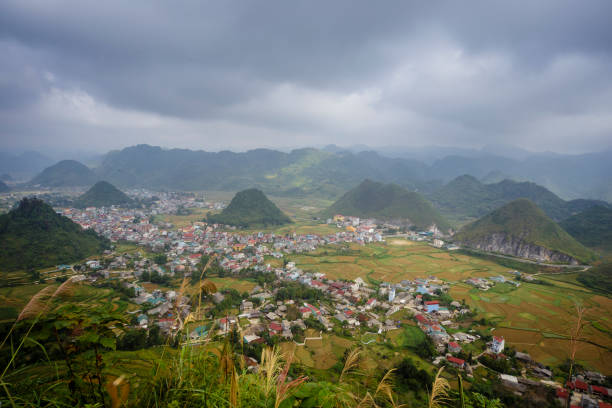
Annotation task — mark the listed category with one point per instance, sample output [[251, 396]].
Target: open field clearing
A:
[[241, 285], [393, 262], [318, 354], [181, 221], [305, 228]]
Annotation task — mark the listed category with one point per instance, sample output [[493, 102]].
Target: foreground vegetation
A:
[[61, 351]]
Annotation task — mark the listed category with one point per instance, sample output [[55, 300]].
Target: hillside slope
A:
[[33, 235], [388, 201], [521, 229], [592, 227], [66, 173], [103, 194], [466, 198], [250, 208]]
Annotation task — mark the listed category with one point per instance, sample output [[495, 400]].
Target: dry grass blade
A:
[[210, 286], [351, 363], [439, 391], [207, 287], [367, 401], [574, 339], [283, 389], [234, 390], [269, 368], [385, 388], [177, 303], [226, 365], [38, 304], [66, 288]]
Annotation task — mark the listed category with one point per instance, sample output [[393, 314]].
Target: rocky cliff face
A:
[[515, 246]]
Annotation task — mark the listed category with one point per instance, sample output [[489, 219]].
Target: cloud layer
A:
[[243, 74]]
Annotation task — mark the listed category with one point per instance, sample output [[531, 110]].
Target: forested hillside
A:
[[33, 235], [388, 201], [250, 208]]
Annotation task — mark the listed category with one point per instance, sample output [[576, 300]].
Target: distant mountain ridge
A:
[[3, 187], [66, 173], [33, 235], [331, 172], [103, 194], [388, 201], [301, 172], [23, 165], [465, 197], [250, 208], [521, 229]]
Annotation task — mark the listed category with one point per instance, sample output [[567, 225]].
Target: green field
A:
[[547, 311], [393, 261]]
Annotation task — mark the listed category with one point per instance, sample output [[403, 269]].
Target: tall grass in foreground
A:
[[204, 375], [34, 309]]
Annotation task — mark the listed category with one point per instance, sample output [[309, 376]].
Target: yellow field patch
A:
[[400, 242]]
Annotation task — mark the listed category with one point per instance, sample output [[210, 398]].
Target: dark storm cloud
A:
[[242, 74]]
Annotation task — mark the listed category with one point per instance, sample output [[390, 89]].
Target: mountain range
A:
[[24, 165], [466, 198], [521, 229], [332, 171], [371, 199]]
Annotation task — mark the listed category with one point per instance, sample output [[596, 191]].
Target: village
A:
[[264, 315]]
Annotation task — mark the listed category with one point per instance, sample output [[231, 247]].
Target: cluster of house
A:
[[524, 276], [586, 390], [485, 284]]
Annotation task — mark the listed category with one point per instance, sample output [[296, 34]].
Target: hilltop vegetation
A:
[[520, 228], [250, 208], [66, 173], [387, 201], [33, 235], [465, 197], [592, 227], [103, 194]]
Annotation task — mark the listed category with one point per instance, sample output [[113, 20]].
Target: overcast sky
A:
[[96, 75]]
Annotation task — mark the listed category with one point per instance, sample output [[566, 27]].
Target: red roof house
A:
[[454, 347], [457, 362]]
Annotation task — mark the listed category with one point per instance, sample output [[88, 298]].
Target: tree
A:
[[160, 259]]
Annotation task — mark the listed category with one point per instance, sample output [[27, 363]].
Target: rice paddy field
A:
[[539, 320], [394, 261], [182, 221], [536, 318], [13, 299]]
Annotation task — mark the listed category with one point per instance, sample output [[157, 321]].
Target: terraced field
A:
[[539, 318]]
